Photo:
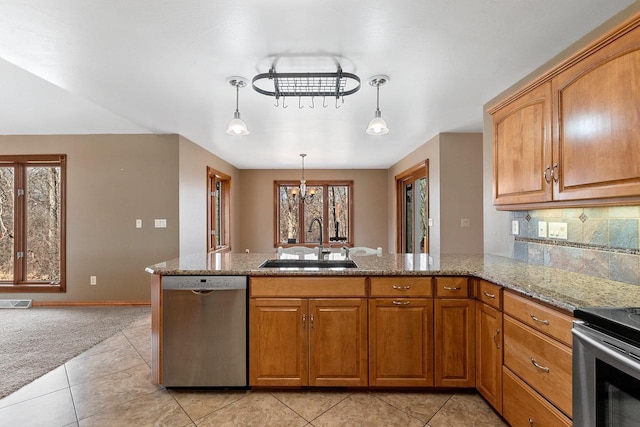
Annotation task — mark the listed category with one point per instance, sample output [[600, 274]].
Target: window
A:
[[331, 203], [218, 207], [413, 210], [32, 223]]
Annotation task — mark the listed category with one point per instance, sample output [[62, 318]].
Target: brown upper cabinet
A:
[[570, 138]]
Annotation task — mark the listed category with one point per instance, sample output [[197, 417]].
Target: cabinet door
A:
[[401, 342], [597, 148], [522, 149], [489, 354], [338, 342], [278, 342], [454, 343]]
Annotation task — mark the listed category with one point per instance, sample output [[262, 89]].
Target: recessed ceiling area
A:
[[70, 67]]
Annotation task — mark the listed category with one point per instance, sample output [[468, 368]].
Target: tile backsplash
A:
[[601, 242]]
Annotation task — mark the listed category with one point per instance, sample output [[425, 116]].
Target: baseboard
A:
[[90, 303]]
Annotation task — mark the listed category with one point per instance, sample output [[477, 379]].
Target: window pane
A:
[[338, 199], [408, 209], [313, 209], [7, 190], [422, 215], [217, 225], [43, 223], [289, 216]]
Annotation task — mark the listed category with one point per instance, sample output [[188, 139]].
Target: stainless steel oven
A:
[[606, 367]]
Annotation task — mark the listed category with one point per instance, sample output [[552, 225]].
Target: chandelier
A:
[[301, 191]]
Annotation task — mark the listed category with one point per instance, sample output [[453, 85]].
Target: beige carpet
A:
[[36, 340]]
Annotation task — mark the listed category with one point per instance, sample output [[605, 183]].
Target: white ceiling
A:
[[159, 66]]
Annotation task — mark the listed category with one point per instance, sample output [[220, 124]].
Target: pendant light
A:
[[301, 191], [237, 126], [377, 125]]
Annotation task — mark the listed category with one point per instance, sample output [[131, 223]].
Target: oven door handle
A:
[[626, 360]]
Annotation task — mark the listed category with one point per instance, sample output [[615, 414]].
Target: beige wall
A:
[[455, 191], [112, 180], [256, 212], [193, 196], [496, 224]]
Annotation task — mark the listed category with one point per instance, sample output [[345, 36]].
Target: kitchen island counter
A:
[[562, 289]]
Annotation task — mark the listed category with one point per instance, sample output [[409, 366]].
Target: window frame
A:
[[213, 177], [416, 172], [325, 184], [20, 164]]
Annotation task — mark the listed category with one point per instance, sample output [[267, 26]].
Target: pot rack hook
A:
[[337, 99], [300, 106], [324, 105], [313, 105], [284, 105], [277, 104]]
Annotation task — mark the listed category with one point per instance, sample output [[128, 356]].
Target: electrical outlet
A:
[[515, 227], [161, 223], [542, 229], [465, 222], [92, 280]]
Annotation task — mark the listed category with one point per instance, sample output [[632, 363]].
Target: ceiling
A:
[[160, 66]]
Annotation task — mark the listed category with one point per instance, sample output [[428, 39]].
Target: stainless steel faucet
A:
[[314, 220]]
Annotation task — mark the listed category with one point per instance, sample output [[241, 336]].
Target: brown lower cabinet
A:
[[489, 337], [308, 341], [524, 407], [454, 345], [401, 342]]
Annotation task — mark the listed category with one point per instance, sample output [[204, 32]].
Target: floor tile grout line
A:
[[399, 409], [73, 401], [179, 405], [317, 416], [440, 408]]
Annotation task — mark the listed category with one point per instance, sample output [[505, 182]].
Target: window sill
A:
[[34, 288]]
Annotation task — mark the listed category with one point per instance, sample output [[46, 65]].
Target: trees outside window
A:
[[32, 223], [331, 203], [412, 192]]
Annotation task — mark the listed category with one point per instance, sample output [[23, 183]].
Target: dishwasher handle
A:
[[203, 292]]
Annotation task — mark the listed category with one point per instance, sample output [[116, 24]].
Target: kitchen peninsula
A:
[[411, 320]]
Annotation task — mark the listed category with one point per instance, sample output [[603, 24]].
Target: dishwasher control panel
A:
[[195, 283]]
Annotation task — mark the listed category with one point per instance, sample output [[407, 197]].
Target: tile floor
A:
[[110, 385]]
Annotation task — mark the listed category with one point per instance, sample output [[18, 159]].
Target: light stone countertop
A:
[[562, 289]]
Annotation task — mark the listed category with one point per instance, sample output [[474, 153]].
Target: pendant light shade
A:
[[377, 125], [237, 126]]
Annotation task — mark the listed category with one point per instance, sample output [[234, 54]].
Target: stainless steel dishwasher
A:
[[204, 331]]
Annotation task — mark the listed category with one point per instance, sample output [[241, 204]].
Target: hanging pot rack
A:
[[327, 84]]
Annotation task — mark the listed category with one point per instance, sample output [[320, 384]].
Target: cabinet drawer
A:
[[490, 293], [544, 319], [523, 407], [541, 362], [452, 287], [301, 287], [401, 287]]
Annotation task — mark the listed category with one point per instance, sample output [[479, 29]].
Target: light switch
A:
[[161, 223], [465, 222], [515, 227], [558, 230], [138, 223]]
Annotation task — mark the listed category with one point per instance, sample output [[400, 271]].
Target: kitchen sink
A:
[[308, 263]]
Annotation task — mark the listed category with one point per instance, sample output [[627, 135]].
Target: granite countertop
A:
[[563, 289]]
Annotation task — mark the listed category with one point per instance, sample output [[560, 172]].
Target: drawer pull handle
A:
[[402, 288], [531, 423], [495, 338], [545, 174], [542, 368], [543, 321], [304, 322], [401, 302], [449, 288], [488, 295]]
